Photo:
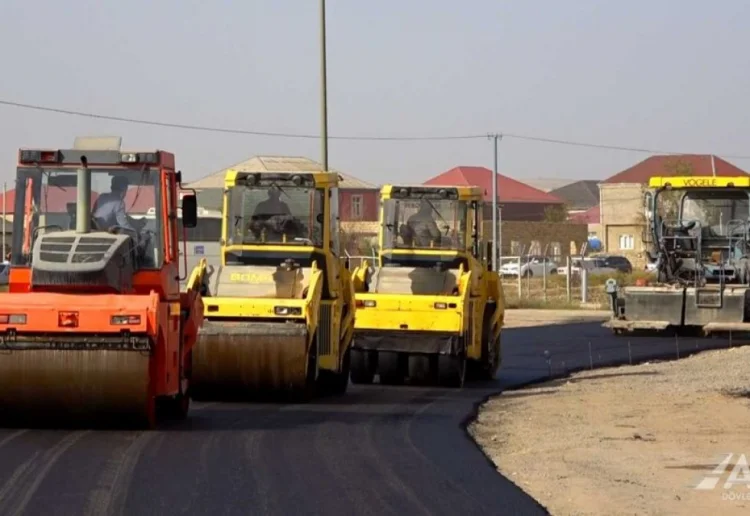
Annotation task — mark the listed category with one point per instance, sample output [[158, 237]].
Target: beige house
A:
[[622, 198]]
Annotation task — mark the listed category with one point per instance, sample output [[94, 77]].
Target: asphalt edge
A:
[[472, 417], [473, 414]]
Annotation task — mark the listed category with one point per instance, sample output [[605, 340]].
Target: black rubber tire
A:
[[420, 370], [310, 390], [346, 369], [452, 370], [363, 366], [336, 384], [390, 368], [174, 408], [149, 421]]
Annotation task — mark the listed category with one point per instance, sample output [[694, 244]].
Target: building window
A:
[[356, 207], [627, 243]]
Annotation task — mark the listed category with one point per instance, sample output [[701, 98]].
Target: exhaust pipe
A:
[[83, 207]]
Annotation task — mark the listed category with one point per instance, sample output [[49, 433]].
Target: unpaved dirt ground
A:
[[628, 440], [526, 317]]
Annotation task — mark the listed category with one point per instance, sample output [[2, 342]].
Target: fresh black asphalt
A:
[[377, 450]]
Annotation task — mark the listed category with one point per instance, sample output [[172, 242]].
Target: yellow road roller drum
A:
[[279, 310]]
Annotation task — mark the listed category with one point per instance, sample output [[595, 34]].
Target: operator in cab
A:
[[272, 206], [421, 230], [109, 213], [274, 216], [109, 209]]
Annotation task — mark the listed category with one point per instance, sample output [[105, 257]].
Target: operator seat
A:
[[678, 238]]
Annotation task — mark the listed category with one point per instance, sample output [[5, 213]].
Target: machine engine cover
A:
[[413, 281], [83, 259], [256, 281]]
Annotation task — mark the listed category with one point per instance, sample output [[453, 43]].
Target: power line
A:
[[604, 146], [226, 130]]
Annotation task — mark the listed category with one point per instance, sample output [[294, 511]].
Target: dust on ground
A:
[[627, 440]]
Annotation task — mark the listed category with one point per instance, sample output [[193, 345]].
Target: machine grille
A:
[[324, 329], [98, 259], [469, 330]]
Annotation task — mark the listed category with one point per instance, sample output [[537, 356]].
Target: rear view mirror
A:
[[648, 205], [189, 211]]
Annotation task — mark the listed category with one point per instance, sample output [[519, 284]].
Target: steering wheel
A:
[[120, 229], [687, 227]]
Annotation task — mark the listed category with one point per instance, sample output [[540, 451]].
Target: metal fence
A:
[[536, 280], [356, 260]]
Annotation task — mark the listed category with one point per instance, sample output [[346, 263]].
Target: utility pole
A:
[[323, 87], [5, 214], [495, 251]]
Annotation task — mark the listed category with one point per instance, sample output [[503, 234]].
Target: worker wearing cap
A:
[[109, 208]]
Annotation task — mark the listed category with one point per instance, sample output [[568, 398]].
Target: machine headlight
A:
[[12, 318], [287, 310], [121, 320]]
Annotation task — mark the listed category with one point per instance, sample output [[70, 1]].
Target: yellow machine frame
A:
[[398, 333], [325, 313]]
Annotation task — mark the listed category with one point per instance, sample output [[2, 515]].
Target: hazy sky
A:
[[664, 74]]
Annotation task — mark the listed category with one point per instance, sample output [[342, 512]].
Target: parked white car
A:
[[592, 266], [530, 266]]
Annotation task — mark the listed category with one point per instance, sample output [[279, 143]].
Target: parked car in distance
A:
[[532, 265], [618, 262], [592, 265]]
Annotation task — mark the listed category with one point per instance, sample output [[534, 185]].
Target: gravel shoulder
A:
[[626, 440]]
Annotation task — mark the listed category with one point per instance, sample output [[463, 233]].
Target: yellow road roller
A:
[[432, 310], [279, 310]]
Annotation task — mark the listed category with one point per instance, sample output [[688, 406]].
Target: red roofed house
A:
[[591, 218], [54, 200], [523, 225], [517, 200], [139, 199], [622, 196]]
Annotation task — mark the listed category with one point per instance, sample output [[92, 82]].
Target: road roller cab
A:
[[93, 323], [279, 311], [431, 307]]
